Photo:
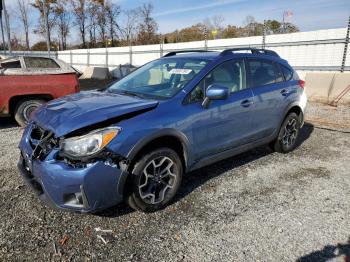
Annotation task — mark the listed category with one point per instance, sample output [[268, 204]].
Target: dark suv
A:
[[135, 140]]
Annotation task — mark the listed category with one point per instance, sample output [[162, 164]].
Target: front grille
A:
[[41, 141], [36, 136], [37, 133]]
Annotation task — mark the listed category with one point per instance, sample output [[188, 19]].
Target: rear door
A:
[[226, 123], [270, 92]]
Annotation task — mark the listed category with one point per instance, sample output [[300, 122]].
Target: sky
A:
[[176, 14], [308, 14]]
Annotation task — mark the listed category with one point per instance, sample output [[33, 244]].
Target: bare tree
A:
[[212, 26], [63, 22], [47, 17], [92, 20], [218, 22], [79, 9], [22, 13], [148, 27], [250, 25], [102, 22], [128, 31], [207, 24], [112, 12]]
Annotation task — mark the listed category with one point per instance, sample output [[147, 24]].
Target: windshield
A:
[[159, 79]]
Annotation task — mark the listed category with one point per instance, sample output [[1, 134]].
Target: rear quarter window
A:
[[40, 62], [288, 74]]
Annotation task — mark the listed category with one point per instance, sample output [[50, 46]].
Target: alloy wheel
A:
[[157, 180], [290, 132]]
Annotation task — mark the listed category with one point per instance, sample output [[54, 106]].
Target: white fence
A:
[[316, 50]]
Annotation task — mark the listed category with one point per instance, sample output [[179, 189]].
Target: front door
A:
[[225, 123]]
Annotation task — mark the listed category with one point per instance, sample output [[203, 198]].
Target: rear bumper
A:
[[89, 189], [303, 106]]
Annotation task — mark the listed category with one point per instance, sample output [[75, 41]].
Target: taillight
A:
[[301, 83]]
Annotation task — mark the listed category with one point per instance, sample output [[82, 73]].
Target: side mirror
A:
[[215, 92]]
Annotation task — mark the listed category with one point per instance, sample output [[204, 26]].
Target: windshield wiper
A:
[[131, 94]]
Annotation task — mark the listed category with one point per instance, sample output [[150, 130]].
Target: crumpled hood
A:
[[71, 113]]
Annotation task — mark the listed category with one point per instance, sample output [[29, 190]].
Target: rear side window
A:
[[11, 64], [288, 74], [40, 62], [264, 72]]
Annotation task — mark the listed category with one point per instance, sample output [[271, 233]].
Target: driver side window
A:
[[230, 74]]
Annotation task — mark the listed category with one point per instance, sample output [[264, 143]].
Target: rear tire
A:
[[25, 108], [288, 135], [155, 180]]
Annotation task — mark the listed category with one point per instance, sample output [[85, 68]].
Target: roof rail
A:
[[185, 51], [254, 51]]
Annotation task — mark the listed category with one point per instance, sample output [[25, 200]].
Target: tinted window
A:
[[230, 74], [40, 62], [288, 74], [264, 72], [279, 75], [11, 64]]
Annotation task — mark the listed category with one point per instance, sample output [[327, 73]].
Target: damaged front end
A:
[[80, 183], [68, 151]]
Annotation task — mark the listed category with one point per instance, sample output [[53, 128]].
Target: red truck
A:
[[28, 82]]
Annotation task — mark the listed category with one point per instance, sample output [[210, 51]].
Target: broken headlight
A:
[[89, 144]]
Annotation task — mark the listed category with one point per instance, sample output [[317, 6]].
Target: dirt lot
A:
[[259, 205]]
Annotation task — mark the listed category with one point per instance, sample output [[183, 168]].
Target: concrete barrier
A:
[[100, 73], [325, 87]]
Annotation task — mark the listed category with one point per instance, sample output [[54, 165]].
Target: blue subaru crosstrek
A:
[[135, 140]]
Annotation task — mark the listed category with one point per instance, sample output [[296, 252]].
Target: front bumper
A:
[[78, 189], [94, 187]]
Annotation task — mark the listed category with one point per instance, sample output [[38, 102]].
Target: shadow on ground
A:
[[328, 253], [7, 122], [201, 176]]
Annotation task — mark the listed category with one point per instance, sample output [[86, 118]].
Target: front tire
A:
[[288, 134], [155, 181], [25, 108]]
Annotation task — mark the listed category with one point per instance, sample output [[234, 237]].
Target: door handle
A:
[[246, 103], [285, 92]]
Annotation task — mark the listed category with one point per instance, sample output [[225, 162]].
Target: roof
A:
[[7, 58], [238, 52], [196, 55]]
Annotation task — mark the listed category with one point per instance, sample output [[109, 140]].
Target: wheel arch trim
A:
[[159, 134]]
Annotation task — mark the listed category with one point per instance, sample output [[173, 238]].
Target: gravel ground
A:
[[256, 206], [329, 116]]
